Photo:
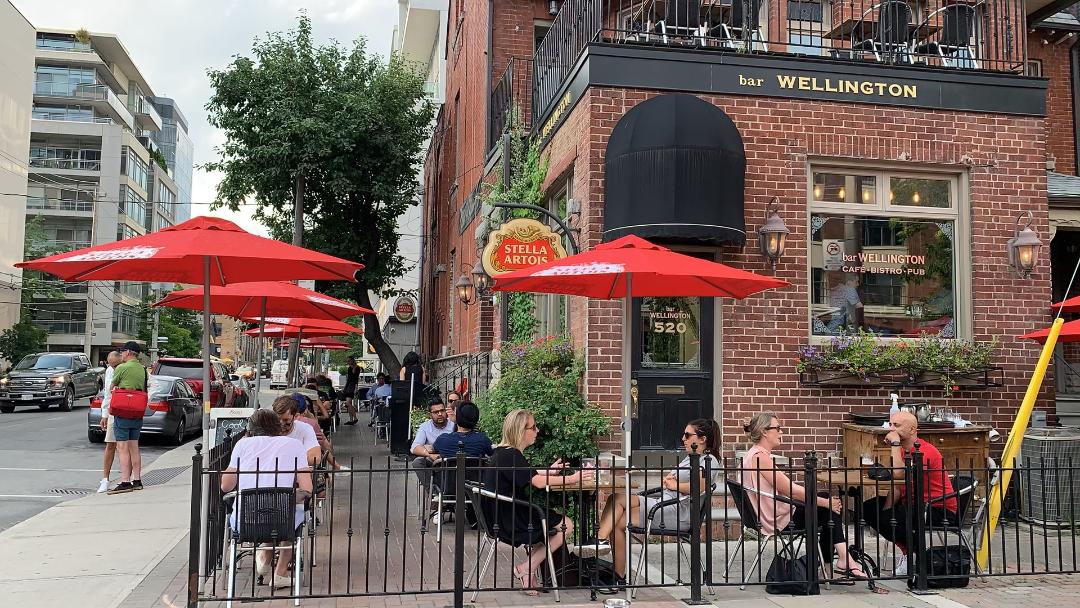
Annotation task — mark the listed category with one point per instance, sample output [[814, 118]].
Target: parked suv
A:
[[222, 391], [44, 379]]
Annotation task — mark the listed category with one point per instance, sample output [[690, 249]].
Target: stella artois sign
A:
[[521, 243]]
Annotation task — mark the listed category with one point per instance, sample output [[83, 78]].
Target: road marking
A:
[[54, 496], [57, 418], [50, 470]]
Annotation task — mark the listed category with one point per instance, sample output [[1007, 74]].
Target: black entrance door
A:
[[672, 368]]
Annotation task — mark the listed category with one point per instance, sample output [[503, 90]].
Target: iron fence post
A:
[[459, 528], [194, 534], [695, 531], [916, 549], [810, 472], [708, 522]]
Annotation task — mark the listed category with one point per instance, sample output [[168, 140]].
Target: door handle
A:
[[633, 398]]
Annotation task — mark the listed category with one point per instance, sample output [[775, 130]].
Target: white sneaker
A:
[[900, 567], [103, 486]]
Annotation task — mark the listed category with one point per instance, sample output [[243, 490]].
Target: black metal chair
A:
[[954, 37], [744, 26], [380, 413], [964, 487], [890, 33], [441, 491], [490, 539], [265, 516], [789, 540], [682, 19], [680, 536]]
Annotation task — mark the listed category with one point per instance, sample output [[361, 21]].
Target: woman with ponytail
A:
[[700, 436]]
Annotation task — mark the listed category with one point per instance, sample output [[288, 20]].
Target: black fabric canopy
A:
[[674, 171]]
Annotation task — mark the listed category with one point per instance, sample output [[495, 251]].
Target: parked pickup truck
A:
[[44, 379]]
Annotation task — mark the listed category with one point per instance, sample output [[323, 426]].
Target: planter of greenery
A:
[[862, 359]]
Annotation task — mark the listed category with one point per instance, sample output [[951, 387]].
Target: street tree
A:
[[343, 127], [181, 329], [24, 338]]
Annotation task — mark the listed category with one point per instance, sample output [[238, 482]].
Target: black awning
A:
[[674, 170]]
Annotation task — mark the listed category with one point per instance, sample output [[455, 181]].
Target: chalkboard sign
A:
[[228, 422]]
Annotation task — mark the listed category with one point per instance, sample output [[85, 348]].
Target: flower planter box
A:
[[897, 378]]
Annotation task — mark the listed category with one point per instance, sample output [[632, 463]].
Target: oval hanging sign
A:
[[404, 309], [521, 243]]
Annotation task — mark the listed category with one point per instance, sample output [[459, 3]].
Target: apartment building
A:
[[176, 146], [16, 87], [97, 174]]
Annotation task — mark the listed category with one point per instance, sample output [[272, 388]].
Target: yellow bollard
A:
[[1012, 446]]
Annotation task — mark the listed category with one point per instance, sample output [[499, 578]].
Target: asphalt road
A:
[[45, 453]]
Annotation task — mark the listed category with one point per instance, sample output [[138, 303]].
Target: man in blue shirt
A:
[[475, 443], [376, 395], [436, 426]]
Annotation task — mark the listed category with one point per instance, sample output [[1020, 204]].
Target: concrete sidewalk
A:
[[93, 551]]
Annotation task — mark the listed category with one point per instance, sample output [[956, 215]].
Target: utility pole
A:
[[154, 332], [298, 240], [89, 329]]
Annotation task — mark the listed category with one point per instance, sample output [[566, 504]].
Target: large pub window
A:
[[884, 252], [551, 309]]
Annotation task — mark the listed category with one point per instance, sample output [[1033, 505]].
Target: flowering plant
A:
[[863, 355]]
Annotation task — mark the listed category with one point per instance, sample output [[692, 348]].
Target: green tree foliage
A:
[[22, 339], [544, 377], [352, 125], [182, 328]]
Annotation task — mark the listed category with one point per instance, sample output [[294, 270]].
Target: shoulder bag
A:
[[128, 402]]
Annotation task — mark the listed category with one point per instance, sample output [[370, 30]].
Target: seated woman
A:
[[760, 476], [700, 436], [285, 461], [510, 474]]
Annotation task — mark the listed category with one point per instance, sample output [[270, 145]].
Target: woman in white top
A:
[[764, 480], [267, 459], [700, 436]]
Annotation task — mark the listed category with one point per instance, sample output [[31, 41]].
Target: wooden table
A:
[[865, 29]]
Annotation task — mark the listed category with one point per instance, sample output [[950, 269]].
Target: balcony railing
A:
[[61, 327], [66, 163], [935, 34], [54, 204], [512, 93]]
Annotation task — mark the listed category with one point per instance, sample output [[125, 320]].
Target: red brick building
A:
[[902, 168]]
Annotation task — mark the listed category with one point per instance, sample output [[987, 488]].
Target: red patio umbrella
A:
[[1070, 332], [325, 343], [631, 267], [305, 328], [1070, 305], [262, 298]]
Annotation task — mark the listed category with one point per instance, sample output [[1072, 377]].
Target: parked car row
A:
[[46, 379], [172, 411]]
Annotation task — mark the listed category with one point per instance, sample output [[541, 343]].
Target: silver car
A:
[[172, 411]]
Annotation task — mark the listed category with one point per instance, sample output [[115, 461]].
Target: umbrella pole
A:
[[258, 364], [205, 506], [628, 309]]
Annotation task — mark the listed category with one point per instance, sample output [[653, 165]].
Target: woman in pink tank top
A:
[[763, 481]]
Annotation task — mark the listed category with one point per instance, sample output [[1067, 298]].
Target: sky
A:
[[174, 42]]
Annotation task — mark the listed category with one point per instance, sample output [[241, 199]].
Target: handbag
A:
[[788, 576], [128, 402], [947, 567]]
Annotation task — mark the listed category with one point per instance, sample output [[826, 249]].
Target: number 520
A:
[[660, 327]]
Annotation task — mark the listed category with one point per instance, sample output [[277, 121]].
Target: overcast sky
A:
[[174, 42]]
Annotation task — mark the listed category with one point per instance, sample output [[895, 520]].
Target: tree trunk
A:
[[373, 334]]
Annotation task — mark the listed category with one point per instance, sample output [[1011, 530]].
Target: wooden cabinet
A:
[[964, 450]]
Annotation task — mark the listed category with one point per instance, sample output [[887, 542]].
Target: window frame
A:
[[958, 214]]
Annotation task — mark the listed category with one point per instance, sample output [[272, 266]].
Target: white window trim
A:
[[959, 214]]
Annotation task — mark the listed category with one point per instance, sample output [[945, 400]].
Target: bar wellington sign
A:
[[521, 243]]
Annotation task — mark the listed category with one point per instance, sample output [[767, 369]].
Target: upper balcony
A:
[[943, 40], [420, 38], [98, 96], [146, 116]]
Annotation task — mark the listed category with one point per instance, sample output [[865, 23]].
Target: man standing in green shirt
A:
[[129, 375]]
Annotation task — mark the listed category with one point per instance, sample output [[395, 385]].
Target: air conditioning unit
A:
[[1046, 494]]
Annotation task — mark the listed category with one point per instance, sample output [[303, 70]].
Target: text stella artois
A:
[[521, 243]]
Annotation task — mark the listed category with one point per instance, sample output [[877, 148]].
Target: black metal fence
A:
[[470, 374], [511, 94], [969, 35], [372, 530]]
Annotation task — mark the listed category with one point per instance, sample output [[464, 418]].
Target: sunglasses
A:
[[532, 428], [442, 411], [689, 435], [774, 428]]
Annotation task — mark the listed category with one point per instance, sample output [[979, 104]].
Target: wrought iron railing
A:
[[513, 93], [470, 374], [960, 34]]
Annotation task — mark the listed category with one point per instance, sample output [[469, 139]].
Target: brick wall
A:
[[1057, 66], [1004, 159]]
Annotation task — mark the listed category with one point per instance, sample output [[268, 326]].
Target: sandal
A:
[[854, 573], [523, 579]]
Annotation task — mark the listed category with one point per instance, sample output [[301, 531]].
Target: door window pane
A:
[[890, 276], [671, 333], [845, 188]]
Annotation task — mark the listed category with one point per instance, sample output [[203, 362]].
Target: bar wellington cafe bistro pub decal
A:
[[521, 243]]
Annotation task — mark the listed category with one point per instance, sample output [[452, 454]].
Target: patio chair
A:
[[954, 38], [380, 413], [489, 539], [744, 26], [266, 517], [890, 33], [681, 20], [444, 483], [789, 540], [964, 487], [680, 536]]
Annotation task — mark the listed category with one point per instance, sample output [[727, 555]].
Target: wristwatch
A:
[[894, 444]]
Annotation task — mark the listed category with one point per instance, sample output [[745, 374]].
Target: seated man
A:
[[377, 394], [889, 514], [476, 444], [423, 444], [305, 414], [287, 407]]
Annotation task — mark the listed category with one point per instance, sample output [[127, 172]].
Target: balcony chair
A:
[[789, 540], [680, 536], [682, 19], [266, 517], [744, 29], [890, 33], [489, 540], [954, 38]]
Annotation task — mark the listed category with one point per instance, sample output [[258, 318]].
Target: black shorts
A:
[[347, 392]]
